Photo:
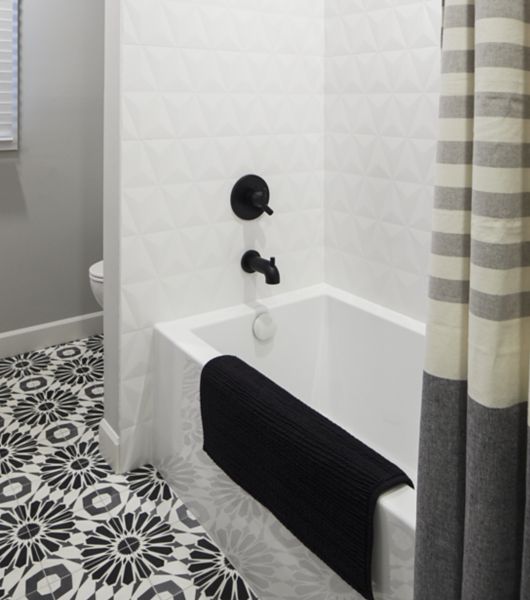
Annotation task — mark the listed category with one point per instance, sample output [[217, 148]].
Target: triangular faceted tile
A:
[[383, 61]]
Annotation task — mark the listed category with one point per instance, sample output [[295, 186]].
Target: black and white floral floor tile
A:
[[70, 527]]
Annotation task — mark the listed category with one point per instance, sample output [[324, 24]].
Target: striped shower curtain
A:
[[473, 531]]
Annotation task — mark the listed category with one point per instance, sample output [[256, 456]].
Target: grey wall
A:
[[51, 189]]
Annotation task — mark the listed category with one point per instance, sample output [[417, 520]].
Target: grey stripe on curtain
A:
[[473, 526]]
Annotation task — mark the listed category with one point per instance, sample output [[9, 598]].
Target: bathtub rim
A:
[[183, 329], [399, 502]]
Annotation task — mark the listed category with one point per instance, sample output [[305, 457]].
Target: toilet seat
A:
[[96, 271]]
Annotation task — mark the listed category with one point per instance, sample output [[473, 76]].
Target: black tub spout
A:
[[252, 262]]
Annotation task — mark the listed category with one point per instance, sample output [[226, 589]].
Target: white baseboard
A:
[[109, 445], [49, 334]]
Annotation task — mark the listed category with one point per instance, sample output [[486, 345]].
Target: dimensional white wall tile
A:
[[381, 107], [212, 91]]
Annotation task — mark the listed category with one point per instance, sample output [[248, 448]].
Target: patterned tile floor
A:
[[69, 527]]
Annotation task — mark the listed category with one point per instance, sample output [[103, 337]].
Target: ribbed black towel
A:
[[317, 479]]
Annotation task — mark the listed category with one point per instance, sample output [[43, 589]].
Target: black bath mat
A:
[[317, 479]]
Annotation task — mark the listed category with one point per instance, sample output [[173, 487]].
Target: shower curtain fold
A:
[[473, 529]]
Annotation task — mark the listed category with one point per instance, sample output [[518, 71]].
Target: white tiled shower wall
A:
[[381, 83], [331, 100], [211, 91]]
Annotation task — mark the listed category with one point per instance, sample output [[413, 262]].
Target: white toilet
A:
[[95, 274]]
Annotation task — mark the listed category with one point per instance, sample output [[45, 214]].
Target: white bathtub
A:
[[355, 362]]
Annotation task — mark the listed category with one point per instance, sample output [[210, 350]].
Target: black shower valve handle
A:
[[257, 199]]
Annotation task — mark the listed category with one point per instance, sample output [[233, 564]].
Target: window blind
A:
[[8, 74]]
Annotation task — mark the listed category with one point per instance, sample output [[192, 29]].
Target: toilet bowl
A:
[[95, 274]]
